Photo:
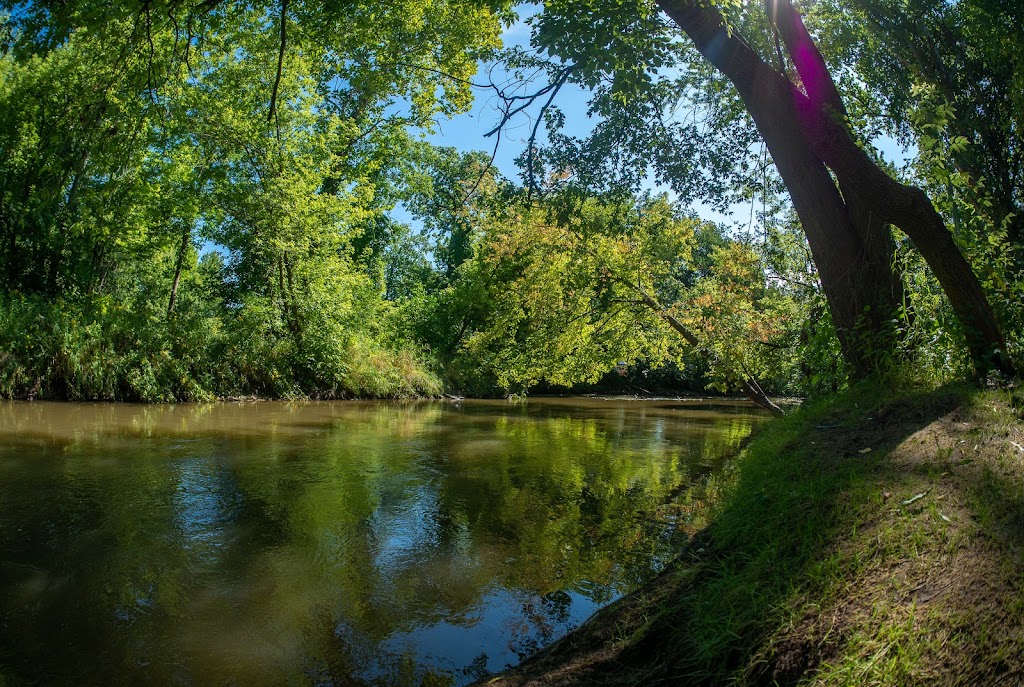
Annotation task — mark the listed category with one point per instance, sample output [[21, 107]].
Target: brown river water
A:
[[352, 543]]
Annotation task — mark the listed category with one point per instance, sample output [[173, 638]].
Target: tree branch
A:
[[531, 144], [814, 73], [280, 61]]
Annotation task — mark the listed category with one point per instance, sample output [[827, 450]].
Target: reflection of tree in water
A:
[[477, 668], [566, 496], [546, 616]]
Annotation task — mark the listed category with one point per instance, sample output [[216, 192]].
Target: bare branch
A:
[[483, 172], [280, 62], [531, 144]]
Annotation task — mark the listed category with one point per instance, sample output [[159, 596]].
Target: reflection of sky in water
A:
[[500, 630], [202, 504], [658, 431], [405, 530]]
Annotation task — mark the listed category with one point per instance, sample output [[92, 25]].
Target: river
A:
[[352, 543]]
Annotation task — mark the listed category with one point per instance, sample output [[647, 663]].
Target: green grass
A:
[[824, 563]]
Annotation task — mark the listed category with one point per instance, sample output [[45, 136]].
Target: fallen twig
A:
[[914, 498]]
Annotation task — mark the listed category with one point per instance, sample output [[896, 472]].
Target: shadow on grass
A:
[[804, 484]]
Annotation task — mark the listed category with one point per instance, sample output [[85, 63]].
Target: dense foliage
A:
[[197, 200], [181, 207]]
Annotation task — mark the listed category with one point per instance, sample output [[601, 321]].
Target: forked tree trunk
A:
[[847, 226], [880, 196]]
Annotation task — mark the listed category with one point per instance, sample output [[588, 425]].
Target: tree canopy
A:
[[199, 198]]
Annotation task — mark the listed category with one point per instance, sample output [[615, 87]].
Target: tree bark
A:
[[882, 197], [186, 239], [847, 226], [296, 320], [850, 281]]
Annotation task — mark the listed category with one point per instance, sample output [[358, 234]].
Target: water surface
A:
[[332, 543]]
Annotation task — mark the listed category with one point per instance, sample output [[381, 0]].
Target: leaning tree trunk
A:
[[889, 201], [847, 227], [186, 240], [748, 383]]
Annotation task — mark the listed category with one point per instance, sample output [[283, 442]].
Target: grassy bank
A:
[[872, 540]]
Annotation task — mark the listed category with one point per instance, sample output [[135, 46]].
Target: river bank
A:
[[872, 540]]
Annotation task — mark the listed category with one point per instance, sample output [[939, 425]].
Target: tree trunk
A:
[[756, 394], [889, 201], [862, 294], [847, 227], [186, 239], [289, 307], [296, 320]]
